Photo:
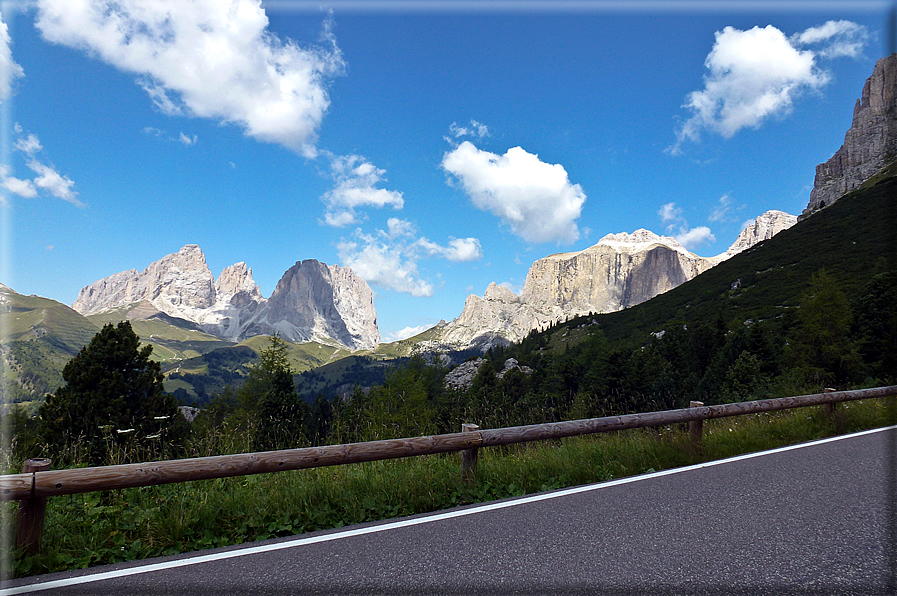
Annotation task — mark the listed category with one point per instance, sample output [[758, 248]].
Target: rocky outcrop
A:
[[620, 271], [763, 228], [461, 377], [179, 284], [870, 143], [312, 301]]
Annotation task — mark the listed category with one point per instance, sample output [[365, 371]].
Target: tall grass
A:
[[99, 528]]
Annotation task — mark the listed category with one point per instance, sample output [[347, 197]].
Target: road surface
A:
[[818, 518]]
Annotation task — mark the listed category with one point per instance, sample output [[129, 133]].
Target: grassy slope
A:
[[853, 239]]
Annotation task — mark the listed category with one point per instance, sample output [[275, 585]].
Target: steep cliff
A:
[[869, 144], [312, 301], [620, 271], [763, 228], [179, 284]]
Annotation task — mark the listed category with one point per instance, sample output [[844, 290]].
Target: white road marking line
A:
[[254, 550]]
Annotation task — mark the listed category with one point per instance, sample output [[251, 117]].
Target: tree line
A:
[[112, 407]]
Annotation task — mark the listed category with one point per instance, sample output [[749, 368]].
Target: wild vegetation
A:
[[805, 321]]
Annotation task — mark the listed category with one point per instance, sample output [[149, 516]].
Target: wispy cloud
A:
[[357, 182], [47, 179], [721, 212], [187, 141], [9, 70], [535, 199], [404, 333], [388, 258], [758, 74], [474, 129], [207, 59], [676, 224]]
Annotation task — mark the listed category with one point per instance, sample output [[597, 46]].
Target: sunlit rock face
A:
[[869, 144], [620, 271], [312, 301]]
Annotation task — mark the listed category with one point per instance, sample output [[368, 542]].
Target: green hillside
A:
[[173, 339], [38, 336], [853, 239]]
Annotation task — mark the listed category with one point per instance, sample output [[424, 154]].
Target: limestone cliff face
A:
[[238, 299], [763, 228], [620, 271], [869, 144], [179, 284], [312, 301]]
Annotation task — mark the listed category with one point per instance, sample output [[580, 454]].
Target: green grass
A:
[[100, 528], [853, 239]]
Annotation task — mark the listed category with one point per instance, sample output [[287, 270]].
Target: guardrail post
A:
[[696, 430], [30, 520], [829, 407], [469, 456]]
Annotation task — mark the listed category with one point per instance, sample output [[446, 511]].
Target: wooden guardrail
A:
[[32, 487]]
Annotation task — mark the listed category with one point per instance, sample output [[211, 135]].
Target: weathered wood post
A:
[[30, 520], [836, 417], [696, 430], [469, 457], [830, 407]]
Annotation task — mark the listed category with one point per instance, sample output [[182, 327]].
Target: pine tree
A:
[[113, 394]]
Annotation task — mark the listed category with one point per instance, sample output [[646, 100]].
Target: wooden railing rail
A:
[[32, 488]]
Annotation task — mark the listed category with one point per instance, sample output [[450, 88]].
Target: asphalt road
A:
[[816, 519]]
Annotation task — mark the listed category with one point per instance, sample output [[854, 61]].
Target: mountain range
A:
[[312, 301], [178, 306]]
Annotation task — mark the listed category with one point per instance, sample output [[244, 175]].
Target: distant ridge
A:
[[312, 301]]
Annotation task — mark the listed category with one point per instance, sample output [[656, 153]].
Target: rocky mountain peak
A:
[[762, 228], [312, 301], [621, 270], [499, 293], [639, 240], [177, 283], [236, 281], [869, 144]]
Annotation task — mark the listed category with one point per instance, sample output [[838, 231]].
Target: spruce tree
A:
[[113, 394]]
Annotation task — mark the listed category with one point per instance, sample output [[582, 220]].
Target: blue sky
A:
[[434, 147]]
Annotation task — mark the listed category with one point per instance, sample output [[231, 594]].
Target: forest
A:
[[827, 340]]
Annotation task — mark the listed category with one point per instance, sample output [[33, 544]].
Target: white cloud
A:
[[400, 227], [695, 237], [721, 211], [9, 70], [757, 74], [383, 265], [458, 249], [389, 257], [474, 129], [463, 249], [404, 333], [534, 198], [677, 224], [356, 186], [47, 178], [28, 145], [669, 212], [843, 38], [187, 141], [53, 182], [208, 59], [23, 188]]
